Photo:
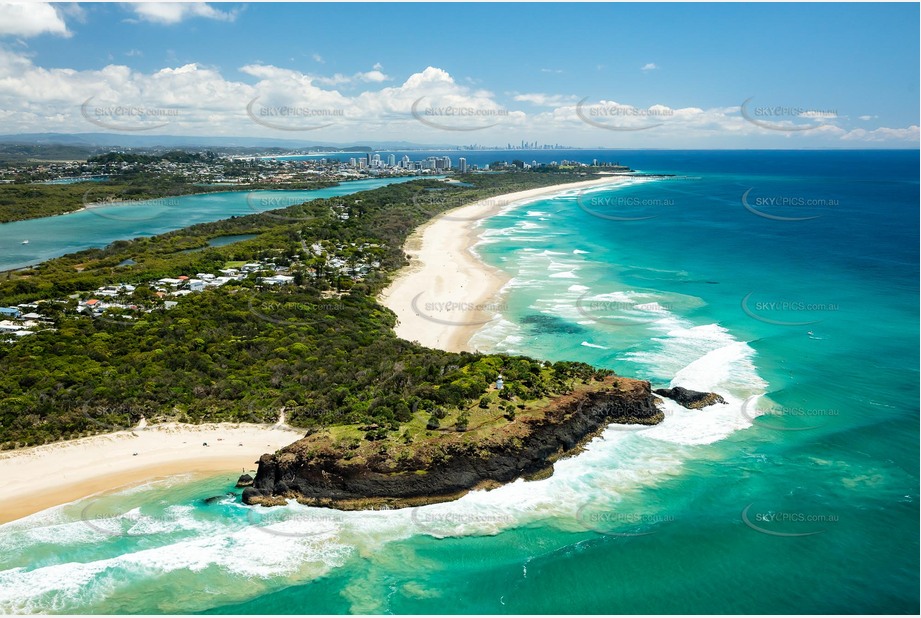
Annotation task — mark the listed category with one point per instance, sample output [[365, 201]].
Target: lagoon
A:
[[51, 237]]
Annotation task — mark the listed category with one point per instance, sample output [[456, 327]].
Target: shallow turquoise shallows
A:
[[785, 281]]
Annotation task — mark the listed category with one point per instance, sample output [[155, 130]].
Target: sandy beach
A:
[[446, 294], [40, 477]]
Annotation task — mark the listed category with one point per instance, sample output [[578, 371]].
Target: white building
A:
[[278, 280]]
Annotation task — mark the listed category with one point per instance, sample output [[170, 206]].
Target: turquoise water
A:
[[800, 495], [98, 226], [223, 241]]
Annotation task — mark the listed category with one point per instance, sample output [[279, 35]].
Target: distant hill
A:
[[20, 152]]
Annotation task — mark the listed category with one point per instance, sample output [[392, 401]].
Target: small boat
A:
[[25, 242]]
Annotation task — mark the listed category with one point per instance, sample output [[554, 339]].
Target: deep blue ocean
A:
[[787, 282]]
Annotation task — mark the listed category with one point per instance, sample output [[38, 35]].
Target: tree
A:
[[462, 421]]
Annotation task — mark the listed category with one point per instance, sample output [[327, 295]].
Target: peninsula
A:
[[382, 419]]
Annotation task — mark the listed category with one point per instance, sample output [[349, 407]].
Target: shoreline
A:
[[447, 293], [41, 477]]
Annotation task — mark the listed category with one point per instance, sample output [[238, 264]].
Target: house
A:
[[10, 312], [169, 281], [251, 267], [196, 285], [278, 280]]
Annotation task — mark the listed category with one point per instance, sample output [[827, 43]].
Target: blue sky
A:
[[620, 75]]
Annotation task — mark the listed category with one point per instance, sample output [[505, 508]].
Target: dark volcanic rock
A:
[[245, 480], [327, 479], [693, 400]]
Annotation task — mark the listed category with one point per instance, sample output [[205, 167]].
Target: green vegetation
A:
[[172, 156], [11, 152], [322, 349]]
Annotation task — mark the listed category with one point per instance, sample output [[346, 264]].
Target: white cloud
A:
[[551, 70], [202, 101], [318, 58], [884, 134], [649, 66], [27, 19], [333, 80], [174, 12], [867, 117], [373, 76], [545, 100]]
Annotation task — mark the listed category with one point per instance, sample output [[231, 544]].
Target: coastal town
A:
[[126, 302], [210, 168]]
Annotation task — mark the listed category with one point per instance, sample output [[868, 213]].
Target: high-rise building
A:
[[392, 160], [447, 162], [462, 165]]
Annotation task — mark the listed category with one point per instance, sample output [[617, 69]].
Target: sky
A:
[[586, 75]]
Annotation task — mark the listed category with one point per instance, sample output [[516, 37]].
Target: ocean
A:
[[787, 282]]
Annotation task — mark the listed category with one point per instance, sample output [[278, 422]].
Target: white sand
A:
[[44, 476], [446, 293]]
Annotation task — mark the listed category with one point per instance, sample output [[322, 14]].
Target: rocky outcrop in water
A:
[[693, 400], [450, 464]]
